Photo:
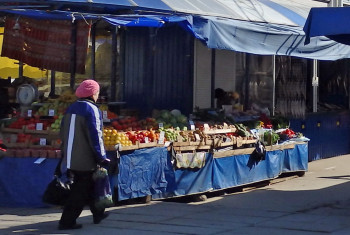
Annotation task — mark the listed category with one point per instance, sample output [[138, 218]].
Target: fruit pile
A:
[[112, 137], [56, 125], [133, 124], [59, 107], [30, 123], [143, 136]]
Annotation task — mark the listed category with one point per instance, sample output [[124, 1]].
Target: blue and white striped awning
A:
[[285, 12], [264, 27]]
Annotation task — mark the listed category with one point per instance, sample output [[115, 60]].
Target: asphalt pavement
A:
[[317, 203]]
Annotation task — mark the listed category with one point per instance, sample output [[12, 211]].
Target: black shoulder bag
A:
[[57, 191]]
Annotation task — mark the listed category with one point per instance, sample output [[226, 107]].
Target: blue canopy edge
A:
[[222, 33], [331, 22]]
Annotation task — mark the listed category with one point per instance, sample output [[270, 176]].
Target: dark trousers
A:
[[82, 194]]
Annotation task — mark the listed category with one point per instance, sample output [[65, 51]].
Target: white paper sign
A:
[[42, 141], [192, 126], [146, 140], [161, 137], [104, 114], [39, 126], [160, 125], [30, 112], [51, 112], [167, 143], [197, 137], [206, 127], [39, 160]]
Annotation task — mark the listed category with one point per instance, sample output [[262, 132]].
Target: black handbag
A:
[[57, 191]]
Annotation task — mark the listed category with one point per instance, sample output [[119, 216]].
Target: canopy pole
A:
[[247, 80], [213, 64], [53, 84], [20, 69], [73, 55], [315, 86], [93, 51], [273, 84], [149, 70], [114, 63]]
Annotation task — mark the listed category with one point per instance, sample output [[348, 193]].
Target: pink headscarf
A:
[[87, 88]]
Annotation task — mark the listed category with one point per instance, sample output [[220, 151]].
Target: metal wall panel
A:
[[157, 69], [329, 133]]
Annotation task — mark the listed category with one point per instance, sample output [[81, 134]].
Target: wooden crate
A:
[[176, 144], [225, 144], [43, 132], [16, 145], [147, 145], [12, 130], [249, 141], [192, 148], [219, 131], [280, 147], [233, 152], [127, 148]]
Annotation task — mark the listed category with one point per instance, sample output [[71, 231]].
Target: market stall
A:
[[222, 140]]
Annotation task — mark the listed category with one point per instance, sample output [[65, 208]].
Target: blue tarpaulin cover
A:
[[151, 172], [233, 171], [22, 182], [142, 173], [332, 22]]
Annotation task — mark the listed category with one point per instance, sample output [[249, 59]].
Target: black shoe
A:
[[65, 227], [98, 219]]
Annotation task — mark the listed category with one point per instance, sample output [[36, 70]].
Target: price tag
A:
[[192, 126], [39, 160], [30, 112], [51, 112], [160, 125], [39, 126], [104, 114], [167, 143], [197, 137], [161, 137], [42, 141], [228, 139], [206, 127], [146, 140]]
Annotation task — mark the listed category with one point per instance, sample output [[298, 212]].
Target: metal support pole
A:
[[149, 69], [93, 50], [273, 84], [247, 80], [73, 63], [114, 63], [315, 86], [53, 84], [213, 65], [20, 69]]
